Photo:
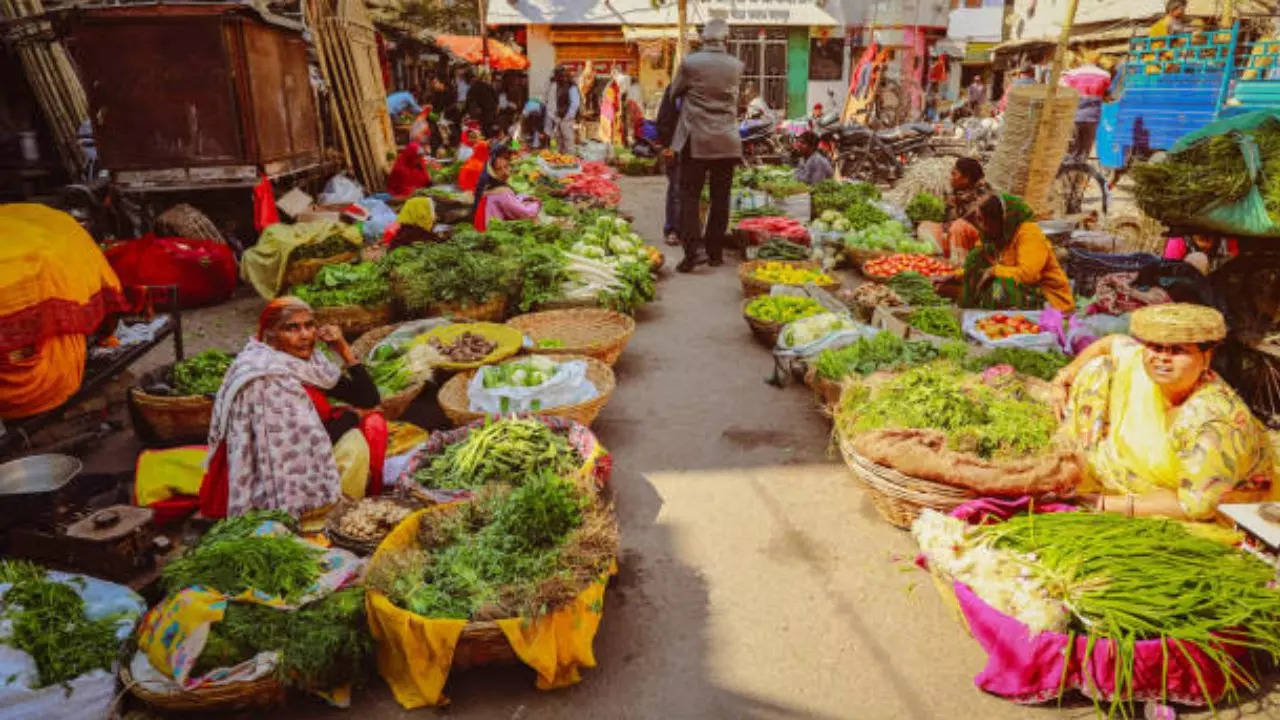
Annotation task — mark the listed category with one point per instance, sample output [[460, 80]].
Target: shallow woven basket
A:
[[766, 332], [352, 543], [595, 332], [454, 401], [183, 220], [261, 693], [173, 418], [491, 310], [301, 272], [826, 392], [354, 320], [396, 405], [752, 287], [900, 498]]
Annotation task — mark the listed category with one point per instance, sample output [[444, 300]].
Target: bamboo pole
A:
[[682, 32], [1044, 128]]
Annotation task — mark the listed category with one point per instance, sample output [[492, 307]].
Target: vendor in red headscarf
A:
[[409, 172], [276, 439], [469, 173]]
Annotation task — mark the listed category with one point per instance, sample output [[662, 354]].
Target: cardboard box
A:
[[894, 320]]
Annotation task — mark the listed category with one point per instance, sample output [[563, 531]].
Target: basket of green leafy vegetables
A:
[[356, 298], [175, 403]]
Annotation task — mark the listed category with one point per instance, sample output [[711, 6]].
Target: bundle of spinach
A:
[[915, 289], [836, 195], [345, 284], [233, 560], [926, 207], [862, 215], [201, 374], [47, 620], [882, 351], [322, 645], [938, 321]]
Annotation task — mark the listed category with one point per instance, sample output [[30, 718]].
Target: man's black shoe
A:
[[690, 262]]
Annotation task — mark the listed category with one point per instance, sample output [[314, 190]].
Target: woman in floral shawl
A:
[[1014, 267], [276, 441]]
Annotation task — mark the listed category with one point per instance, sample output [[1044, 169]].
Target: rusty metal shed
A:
[[196, 95]]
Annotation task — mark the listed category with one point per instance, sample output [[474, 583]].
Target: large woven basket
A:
[[752, 287], [455, 403], [172, 418], [900, 498], [183, 220], [300, 272], [261, 693], [764, 331], [598, 333], [396, 405], [492, 310], [354, 320]]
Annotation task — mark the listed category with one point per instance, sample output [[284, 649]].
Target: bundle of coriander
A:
[[1131, 579], [1212, 170], [231, 558]]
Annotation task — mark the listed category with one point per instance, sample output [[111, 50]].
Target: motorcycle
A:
[[761, 144]]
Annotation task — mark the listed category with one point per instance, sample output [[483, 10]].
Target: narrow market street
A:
[[756, 580]]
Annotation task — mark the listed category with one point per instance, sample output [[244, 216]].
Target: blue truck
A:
[[1171, 85]]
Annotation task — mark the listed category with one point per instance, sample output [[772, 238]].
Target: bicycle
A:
[[1069, 192]]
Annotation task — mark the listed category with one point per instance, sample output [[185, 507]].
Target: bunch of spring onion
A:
[[1131, 579]]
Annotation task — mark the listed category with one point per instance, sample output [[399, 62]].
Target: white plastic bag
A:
[[569, 385], [558, 172], [340, 190], [846, 331], [380, 217], [1041, 341]]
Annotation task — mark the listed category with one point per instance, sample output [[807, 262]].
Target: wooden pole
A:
[[1044, 129], [484, 34], [682, 12]]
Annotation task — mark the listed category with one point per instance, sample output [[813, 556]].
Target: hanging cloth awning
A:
[[467, 47]]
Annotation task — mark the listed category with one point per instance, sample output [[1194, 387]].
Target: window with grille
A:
[[763, 52]]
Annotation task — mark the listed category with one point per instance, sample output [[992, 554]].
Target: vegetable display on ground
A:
[[938, 321], [201, 374], [501, 451], [777, 249], [999, 326], [46, 619], [781, 273], [782, 308], [815, 327], [873, 295], [1043, 365], [882, 351], [341, 284], [986, 420], [926, 207], [835, 195], [887, 267], [232, 559], [889, 235], [784, 227]]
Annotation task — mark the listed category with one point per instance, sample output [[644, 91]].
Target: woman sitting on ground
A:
[[1161, 433], [495, 200], [276, 440], [1015, 267], [409, 173]]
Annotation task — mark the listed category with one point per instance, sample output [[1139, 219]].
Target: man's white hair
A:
[[716, 30]]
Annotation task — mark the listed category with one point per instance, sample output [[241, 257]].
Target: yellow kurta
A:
[[1135, 441], [1029, 260]]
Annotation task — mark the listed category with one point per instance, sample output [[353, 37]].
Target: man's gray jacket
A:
[[708, 83]]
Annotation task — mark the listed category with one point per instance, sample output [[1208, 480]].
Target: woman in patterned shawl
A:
[[276, 441]]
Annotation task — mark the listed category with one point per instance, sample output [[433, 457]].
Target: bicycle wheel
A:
[[1077, 188]]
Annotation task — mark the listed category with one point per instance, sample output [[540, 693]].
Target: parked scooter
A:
[[762, 142]]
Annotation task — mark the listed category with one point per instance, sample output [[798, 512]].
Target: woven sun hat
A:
[[1177, 324]]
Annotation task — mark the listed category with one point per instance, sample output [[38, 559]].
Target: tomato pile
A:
[[596, 187], [1000, 326], [887, 267], [783, 227]]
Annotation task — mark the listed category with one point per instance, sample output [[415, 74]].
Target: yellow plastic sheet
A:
[[161, 474], [263, 265], [415, 653]]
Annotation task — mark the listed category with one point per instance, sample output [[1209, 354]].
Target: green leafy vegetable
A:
[[326, 247], [1043, 365], [938, 321], [272, 564], [48, 622], [883, 351], [862, 214], [346, 284], [201, 374], [836, 195], [915, 289], [928, 207]]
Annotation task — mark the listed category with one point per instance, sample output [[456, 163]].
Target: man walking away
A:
[[707, 141], [1092, 82], [668, 116], [562, 104], [977, 95]]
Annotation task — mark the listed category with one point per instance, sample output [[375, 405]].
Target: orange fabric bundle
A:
[[55, 287]]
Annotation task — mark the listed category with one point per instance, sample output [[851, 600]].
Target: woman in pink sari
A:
[[495, 200]]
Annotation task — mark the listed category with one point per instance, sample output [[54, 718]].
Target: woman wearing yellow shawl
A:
[[1160, 432]]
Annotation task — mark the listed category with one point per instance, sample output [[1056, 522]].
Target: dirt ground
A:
[[756, 580]]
